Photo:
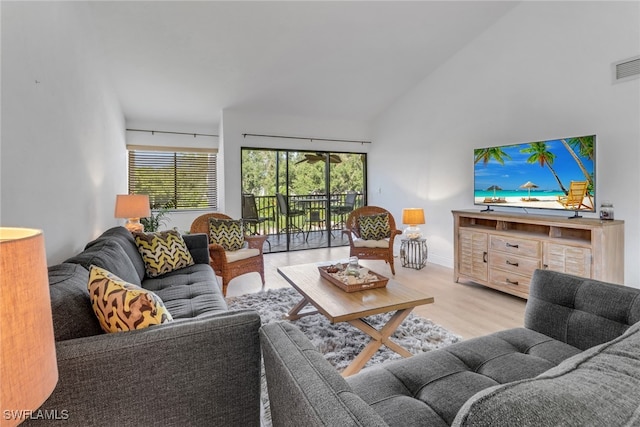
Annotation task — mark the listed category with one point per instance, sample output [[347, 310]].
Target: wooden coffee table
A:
[[340, 306]]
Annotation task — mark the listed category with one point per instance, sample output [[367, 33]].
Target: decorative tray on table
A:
[[352, 280]]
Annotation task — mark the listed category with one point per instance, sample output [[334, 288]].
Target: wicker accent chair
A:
[[218, 256], [361, 248]]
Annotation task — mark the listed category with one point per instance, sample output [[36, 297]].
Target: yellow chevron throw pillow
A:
[[375, 227], [122, 306], [228, 233], [163, 252]]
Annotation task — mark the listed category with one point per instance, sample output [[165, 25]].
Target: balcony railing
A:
[[318, 214]]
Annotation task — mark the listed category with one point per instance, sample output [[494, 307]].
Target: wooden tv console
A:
[[501, 250]]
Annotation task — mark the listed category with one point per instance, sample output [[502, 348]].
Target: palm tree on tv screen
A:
[[584, 147], [541, 155], [486, 154]]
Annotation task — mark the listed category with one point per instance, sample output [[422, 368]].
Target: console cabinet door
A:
[[567, 259], [473, 254]]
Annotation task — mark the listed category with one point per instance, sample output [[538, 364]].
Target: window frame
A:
[[175, 160]]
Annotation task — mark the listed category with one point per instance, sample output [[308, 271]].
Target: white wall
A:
[[542, 72], [237, 123], [63, 154]]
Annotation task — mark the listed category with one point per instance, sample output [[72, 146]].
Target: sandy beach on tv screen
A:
[[544, 202]]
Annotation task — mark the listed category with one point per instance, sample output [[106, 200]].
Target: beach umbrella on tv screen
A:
[[529, 185], [494, 188]]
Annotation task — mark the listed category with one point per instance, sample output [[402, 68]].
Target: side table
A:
[[413, 253]]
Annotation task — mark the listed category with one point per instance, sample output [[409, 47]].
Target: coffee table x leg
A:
[[295, 314], [378, 339]]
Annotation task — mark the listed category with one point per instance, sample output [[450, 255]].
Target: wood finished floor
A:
[[466, 309]]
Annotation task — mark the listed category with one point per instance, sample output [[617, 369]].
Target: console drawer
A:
[[512, 263], [510, 281], [516, 246]]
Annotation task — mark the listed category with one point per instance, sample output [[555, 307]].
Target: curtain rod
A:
[[174, 133], [303, 138]]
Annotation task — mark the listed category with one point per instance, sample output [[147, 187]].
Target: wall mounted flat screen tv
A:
[[553, 174]]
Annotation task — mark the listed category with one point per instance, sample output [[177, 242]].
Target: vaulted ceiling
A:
[[183, 62]]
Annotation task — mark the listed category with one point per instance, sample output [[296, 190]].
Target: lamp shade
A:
[[413, 216], [28, 367], [132, 206]]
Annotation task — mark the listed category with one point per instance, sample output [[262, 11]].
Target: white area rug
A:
[[341, 342]]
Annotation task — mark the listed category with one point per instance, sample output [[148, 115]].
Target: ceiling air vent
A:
[[627, 69]]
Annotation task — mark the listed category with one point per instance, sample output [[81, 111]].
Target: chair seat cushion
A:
[[244, 253], [362, 243]]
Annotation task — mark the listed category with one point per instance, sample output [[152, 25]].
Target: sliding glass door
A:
[[306, 195]]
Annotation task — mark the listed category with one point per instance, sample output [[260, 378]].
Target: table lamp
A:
[[133, 207], [412, 217], [28, 366]]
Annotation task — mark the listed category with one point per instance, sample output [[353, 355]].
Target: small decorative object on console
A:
[[606, 210], [351, 278]]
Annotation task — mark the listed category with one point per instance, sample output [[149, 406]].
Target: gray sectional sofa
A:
[[201, 369], [576, 362]]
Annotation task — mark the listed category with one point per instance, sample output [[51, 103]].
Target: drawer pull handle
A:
[[484, 256], [515, 264], [511, 282], [509, 245]]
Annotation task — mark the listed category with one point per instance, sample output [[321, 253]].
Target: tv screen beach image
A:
[[552, 174]]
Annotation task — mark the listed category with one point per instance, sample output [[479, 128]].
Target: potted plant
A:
[[158, 216]]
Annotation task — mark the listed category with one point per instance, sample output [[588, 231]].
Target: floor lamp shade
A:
[[28, 367]]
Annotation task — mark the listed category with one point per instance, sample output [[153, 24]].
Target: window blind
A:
[[175, 179]]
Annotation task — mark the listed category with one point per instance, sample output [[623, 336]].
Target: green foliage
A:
[[264, 172], [583, 145], [158, 216], [486, 154]]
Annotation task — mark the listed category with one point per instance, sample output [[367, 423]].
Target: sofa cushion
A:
[[108, 254], [581, 312], [198, 244], [228, 233], [163, 252], [122, 306], [599, 387], [189, 292], [375, 227], [125, 239], [304, 389], [70, 303], [440, 382]]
